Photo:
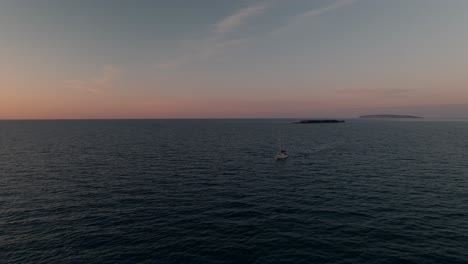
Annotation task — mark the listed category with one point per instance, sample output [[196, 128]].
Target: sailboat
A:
[[281, 154]]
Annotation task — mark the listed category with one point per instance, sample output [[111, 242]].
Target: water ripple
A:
[[208, 191]]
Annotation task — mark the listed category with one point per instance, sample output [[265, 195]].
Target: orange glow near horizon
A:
[[59, 101], [331, 104]]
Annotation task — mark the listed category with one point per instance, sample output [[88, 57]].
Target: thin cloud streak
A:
[[313, 13], [217, 41], [319, 11], [234, 21]]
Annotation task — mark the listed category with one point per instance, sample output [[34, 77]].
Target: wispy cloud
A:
[[234, 21], [336, 4], [218, 39], [104, 81], [316, 12]]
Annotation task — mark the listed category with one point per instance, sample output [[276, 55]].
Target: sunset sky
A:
[[232, 58]]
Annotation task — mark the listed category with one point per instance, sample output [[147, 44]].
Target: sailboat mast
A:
[[280, 142]]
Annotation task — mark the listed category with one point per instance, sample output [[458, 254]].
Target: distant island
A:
[[389, 116], [319, 121]]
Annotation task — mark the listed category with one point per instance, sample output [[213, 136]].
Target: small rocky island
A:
[[319, 121], [389, 116]]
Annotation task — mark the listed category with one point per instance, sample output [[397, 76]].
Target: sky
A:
[[63, 59]]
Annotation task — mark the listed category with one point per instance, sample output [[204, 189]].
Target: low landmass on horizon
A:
[[389, 116], [319, 121]]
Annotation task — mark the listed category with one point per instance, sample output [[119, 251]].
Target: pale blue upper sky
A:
[[228, 58]]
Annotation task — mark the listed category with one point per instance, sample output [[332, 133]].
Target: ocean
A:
[[209, 191]]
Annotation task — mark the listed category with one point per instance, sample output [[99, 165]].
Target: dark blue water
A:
[[209, 191]]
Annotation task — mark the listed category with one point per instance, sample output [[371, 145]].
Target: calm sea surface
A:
[[209, 191]]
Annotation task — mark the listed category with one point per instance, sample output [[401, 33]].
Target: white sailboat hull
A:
[[281, 156]]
